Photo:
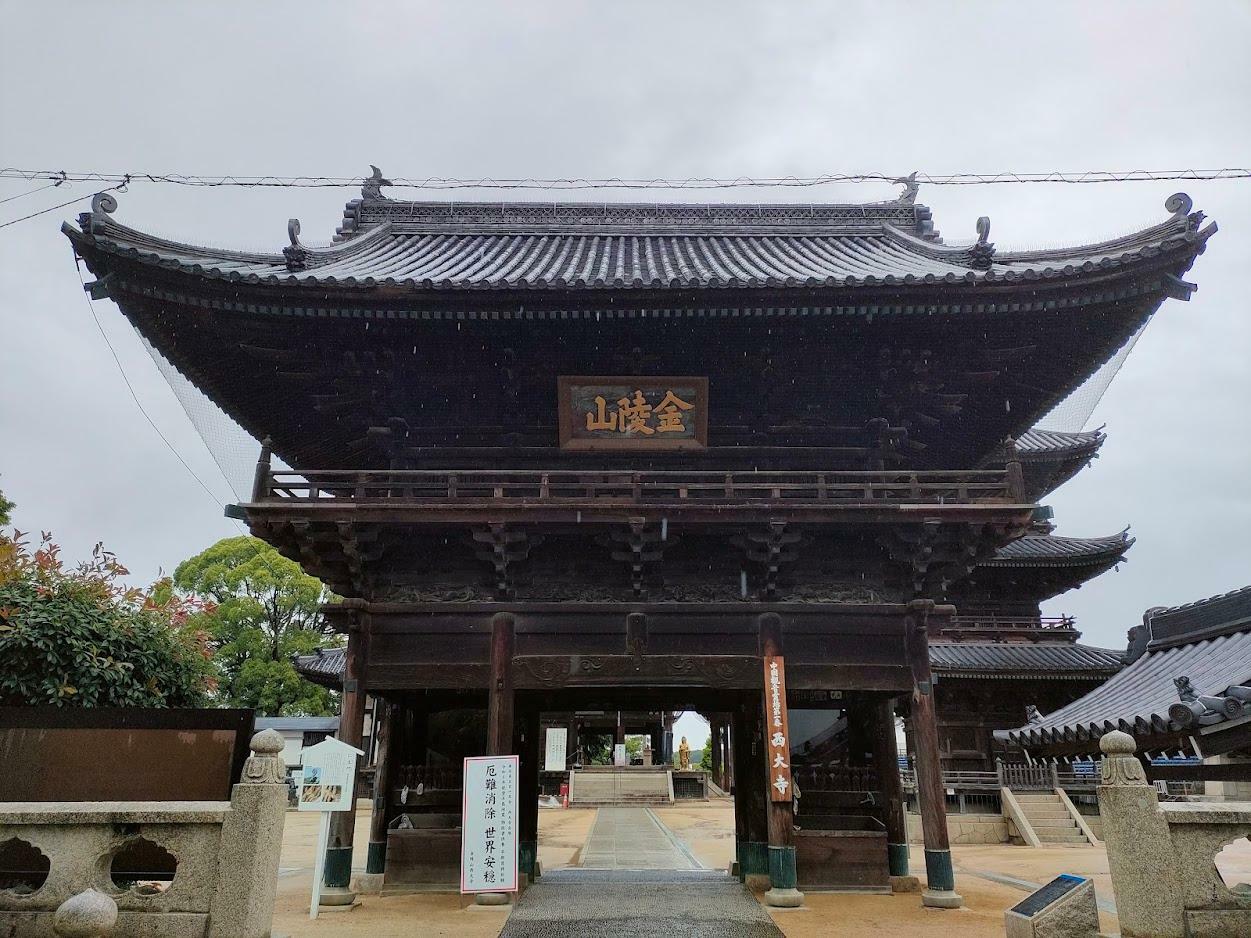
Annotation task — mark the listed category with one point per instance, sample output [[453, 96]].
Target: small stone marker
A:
[[1064, 908]]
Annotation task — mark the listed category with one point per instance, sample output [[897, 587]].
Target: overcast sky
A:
[[632, 90]]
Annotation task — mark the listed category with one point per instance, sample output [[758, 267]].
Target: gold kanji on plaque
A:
[[637, 412]]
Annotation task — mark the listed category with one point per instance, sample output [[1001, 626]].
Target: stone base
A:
[[733, 869], [336, 896], [493, 899], [905, 884], [784, 898], [941, 899], [368, 883]]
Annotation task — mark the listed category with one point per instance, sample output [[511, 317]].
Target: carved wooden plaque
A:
[[632, 413]]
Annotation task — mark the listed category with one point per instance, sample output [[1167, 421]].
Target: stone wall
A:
[[966, 829], [178, 869]]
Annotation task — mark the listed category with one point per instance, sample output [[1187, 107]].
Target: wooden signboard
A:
[[632, 413], [777, 734]]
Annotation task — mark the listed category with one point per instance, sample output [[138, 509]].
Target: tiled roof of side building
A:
[[1049, 550], [1195, 683], [1040, 660], [531, 245]]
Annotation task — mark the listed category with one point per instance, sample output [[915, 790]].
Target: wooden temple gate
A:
[[555, 454]]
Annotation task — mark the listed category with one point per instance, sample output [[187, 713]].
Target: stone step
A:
[[1025, 797], [1053, 836], [1045, 810], [1052, 823]]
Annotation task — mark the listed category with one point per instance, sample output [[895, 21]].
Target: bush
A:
[[82, 638]]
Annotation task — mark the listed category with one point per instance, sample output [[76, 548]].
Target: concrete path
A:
[[642, 903], [634, 839]]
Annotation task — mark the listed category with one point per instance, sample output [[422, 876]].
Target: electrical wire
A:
[[22, 195], [118, 188], [1087, 177]]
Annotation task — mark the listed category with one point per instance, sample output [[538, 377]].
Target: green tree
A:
[[81, 638], [6, 507], [705, 758], [267, 611]]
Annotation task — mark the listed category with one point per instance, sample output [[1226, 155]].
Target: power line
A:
[[22, 195], [118, 188], [1087, 177]]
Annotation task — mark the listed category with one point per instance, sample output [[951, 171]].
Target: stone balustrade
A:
[[178, 869], [1162, 856]]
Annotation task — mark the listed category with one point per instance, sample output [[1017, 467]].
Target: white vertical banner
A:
[[557, 746], [488, 846]]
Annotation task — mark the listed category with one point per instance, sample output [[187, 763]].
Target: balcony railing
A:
[[524, 487], [991, 622]]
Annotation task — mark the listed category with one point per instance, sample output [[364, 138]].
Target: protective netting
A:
[[232, 447], [1073, 413], [235, 450]]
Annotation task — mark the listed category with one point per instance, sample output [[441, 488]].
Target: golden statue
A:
[[684, 756]]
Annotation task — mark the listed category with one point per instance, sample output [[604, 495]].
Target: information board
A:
[[1040, 899], [488, 846], [557, 745], [777, 733], [329, 774]]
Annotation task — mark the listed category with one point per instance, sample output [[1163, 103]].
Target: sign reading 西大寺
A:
[[777, 736], [557, 746], [488, 846], [633, 412]]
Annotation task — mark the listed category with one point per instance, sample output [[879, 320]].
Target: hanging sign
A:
[[328, 784], [632, 413], [488, 846], [777, 735], [557, 746]]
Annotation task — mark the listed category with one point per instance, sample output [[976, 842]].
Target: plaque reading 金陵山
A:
[[633, 412]]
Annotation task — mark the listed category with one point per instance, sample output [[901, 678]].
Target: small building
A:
[[1185, 690], [298, 733]]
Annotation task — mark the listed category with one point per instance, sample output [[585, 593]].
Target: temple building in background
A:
[[756, 461]]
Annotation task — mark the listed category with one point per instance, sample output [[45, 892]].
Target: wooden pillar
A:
[[729, 756], [714, 740], [338, 874], [385, 720], [500, 689], [781, 814], [618, 737], [529, 751], [500, 707], [666, 745], [894, 811], [931, 796]]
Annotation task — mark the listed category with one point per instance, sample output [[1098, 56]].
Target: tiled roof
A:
[[530, 245], [1053, 444], [1048, 550], [1205, 618], [1138, 699], [1018, 659], [325, 667]]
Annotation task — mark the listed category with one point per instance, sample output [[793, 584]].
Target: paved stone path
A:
[[634, 839], [637, 879], [642, 903]]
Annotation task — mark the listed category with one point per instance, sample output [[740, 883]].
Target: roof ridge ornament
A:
[[371, 188], [911, 188], [1180, 204], [296, 253], [982, 254], [102, 205]]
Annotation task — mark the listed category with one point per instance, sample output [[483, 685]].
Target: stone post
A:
[[247, 865], [89, 914], [1140, 849]]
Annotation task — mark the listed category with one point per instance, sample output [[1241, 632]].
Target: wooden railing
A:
[[993, 622], [576, 486]]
